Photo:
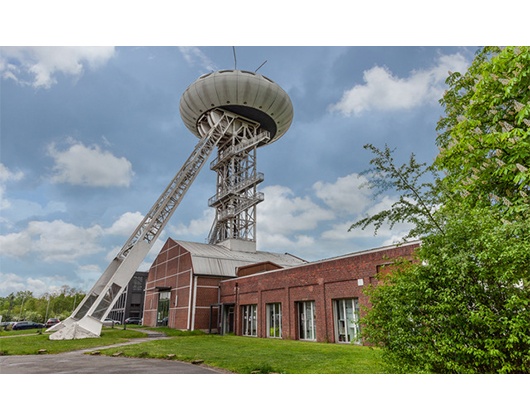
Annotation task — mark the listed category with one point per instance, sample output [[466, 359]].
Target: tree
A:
[[466, 307], [484, 138], [418, 185]]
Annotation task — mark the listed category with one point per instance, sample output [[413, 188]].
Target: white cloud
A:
[[26, 209], [12, 283], [37, 66], [192, 55], [7, 175], [346, 195], [126, 224], [384, 91], [52, 241], [285, 213], [89, 166], [196, 227], [287, 223], [283, 243]]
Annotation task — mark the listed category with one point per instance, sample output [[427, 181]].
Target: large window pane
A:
[[274, 320], [250, 320], [307, 320], [347, 329]]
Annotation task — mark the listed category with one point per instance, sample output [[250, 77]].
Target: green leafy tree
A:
[[417, 185], [466, 307], [24, 306], [485, 136]]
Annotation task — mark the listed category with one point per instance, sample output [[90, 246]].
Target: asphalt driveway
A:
[[77, 362]]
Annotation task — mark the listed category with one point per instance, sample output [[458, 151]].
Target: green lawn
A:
[[232, 353], [30, 341], [260, 355]]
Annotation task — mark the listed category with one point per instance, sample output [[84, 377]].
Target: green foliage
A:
[[24, 306], [484, 138], [415, 182], [466, 308]]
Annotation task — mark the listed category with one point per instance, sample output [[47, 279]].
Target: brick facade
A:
[[171, 271], [322, 282], [198, 301]]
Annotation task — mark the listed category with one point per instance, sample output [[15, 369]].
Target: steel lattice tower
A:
[[264, 113]]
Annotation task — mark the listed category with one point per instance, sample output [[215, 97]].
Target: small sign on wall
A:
[[360, 282]]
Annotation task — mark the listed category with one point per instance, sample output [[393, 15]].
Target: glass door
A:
[[162, 315]]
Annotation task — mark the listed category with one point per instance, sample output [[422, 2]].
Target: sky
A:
[[91, 136]]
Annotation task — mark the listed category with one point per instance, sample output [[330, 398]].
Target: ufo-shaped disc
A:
[[245, 93]]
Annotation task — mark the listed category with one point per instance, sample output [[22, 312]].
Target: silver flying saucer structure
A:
[[236, 111]]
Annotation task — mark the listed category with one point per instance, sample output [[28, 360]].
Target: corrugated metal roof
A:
[[217, 260]]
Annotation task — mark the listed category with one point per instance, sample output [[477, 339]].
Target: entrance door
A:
[[162, 315], [228, 319]]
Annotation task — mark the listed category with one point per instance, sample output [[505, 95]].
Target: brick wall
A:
[[321, 282], [171, 270]]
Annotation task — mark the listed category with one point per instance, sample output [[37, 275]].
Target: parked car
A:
[[6, 325], [134, 320], [51, 322], [26, 325], [108, 322]]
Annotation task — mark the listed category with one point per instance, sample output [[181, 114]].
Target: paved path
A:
[[79, 363]]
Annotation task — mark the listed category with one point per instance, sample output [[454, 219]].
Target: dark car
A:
[[51, 322], [26, 325], [134, 320]]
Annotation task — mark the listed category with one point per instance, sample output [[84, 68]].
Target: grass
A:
[[232, 353], [260, 355], [31, 341]]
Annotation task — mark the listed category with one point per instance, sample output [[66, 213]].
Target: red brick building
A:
[[233, 289], [183, 281]]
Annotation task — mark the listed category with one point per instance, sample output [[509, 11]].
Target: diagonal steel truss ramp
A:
[[86, 319]]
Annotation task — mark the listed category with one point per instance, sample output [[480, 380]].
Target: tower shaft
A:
[[237, 180]]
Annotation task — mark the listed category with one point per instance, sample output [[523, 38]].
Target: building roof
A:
[[218, 260]]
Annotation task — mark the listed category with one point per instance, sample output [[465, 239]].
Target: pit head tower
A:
[[235, 111], [263, 113]]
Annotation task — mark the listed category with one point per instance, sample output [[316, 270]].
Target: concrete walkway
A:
[[77, 362]]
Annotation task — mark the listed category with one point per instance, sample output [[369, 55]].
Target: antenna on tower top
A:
[[235, 58], [262, 64]]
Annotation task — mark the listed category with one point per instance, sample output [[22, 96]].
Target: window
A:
[[274, 320], [307, 320], [163, 308], [250, 324], [347, 329]]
